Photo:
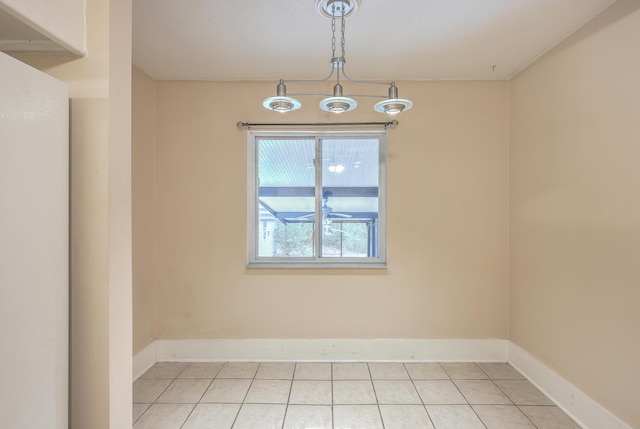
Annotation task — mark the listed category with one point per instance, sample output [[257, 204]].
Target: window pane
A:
[[350, 207], [345, 239], [286, 197]]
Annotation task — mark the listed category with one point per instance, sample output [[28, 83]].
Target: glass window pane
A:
[[286, 197], [345, 240], [350, 186]]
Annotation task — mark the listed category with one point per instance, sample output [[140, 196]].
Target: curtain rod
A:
[[391, 124]]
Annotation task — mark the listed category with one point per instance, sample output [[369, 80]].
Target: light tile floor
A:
[[287, 395]]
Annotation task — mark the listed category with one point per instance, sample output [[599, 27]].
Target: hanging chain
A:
[[342, 40], [341, 10], [333, 33]]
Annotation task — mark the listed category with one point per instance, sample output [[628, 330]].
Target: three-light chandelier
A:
[[337, 102]]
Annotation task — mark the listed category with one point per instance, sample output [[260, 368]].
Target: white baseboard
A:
[[144, 359], [333, 350], [580, 407], [490, 350]]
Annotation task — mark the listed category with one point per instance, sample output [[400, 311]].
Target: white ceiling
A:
[[385, 39]]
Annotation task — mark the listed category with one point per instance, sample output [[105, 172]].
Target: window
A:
[[316, 199]]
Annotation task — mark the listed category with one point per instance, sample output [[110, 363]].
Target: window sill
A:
[[322, 266]]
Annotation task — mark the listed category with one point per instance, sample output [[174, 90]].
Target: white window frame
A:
[[253, 261]]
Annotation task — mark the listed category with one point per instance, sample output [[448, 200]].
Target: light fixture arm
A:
[[300, 94], [310, 80], [363, 82]]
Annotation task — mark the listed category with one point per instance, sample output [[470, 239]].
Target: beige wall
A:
[[447, 222], [100, 91], [143, 179], [575, 209]]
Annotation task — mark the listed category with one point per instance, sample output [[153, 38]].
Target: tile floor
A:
[[267, 395]]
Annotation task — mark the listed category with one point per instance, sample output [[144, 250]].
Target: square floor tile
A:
[[522, 392], [147, 390], [500, 371], [353, 392], [341, 395], [396, 392], [201, 370], [276, 370], [388, 371], [227, 391], [351, 371], [165, 370], [405, 417], [442, 392], [549, 417], [464, 371], [426, 371], [356, 416], [138, 410], [312, 371], [308, 416], [238, 370], [164, 416], [311, 392], [184, 391], [502, 417], [454, 417], [260, 416], [212, 416], [482, 392], [268, 392]]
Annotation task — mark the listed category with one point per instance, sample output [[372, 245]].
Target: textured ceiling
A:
[[387, 40]]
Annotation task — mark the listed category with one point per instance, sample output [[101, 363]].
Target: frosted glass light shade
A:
[[338, 104], [281, 104], [393, 106]]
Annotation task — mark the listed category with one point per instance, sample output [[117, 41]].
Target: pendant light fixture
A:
[[337, 102]]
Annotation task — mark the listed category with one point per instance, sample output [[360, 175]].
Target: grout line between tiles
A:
[[286, 408], [198, 402], [375, 394], [333, 423]]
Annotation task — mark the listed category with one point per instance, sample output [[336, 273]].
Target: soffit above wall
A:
[[17, 37]]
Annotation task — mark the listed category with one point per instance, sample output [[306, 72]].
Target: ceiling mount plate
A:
[[337, 8]]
